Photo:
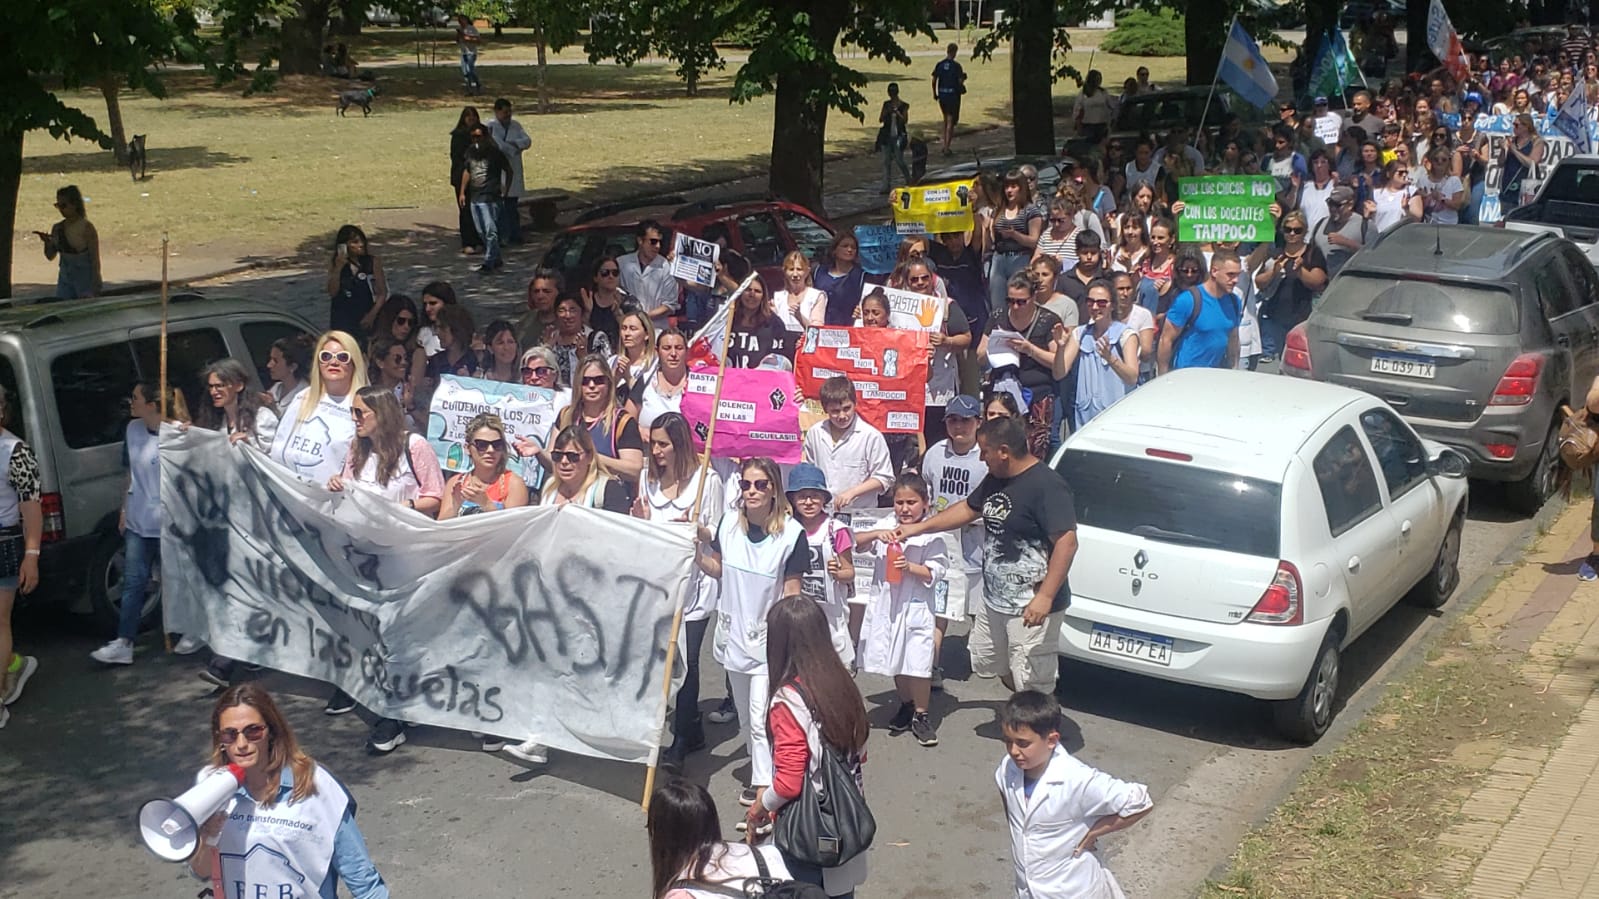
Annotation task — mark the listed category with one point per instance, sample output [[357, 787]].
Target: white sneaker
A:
[[187, 645], [5, 715], [117, 652], [532, 752]]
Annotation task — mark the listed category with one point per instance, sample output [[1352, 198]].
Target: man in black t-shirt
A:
[[949, 83], [1029, 540], [484, 177]]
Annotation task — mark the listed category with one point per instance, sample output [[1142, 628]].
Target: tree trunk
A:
[[1415, 36], [352, 15], [1204, 36], [302, 39], [110, 88], [544, 66], [799, 118], [10, 181], [1031, 77]]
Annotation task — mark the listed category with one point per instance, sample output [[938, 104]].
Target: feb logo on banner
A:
[[887, 366], [759, 414]]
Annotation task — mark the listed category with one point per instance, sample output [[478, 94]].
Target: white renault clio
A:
[[1238, 530]]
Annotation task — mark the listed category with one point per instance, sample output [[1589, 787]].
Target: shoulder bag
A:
[[829, 823]]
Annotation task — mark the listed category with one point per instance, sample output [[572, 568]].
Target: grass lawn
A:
[[275, 173]]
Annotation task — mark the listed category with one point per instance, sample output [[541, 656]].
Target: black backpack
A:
[[763, 886]]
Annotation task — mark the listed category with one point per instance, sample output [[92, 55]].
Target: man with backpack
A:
[[1343, 232], [1201, 329]]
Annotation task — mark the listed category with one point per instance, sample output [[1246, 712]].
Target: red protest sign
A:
[[888, 368]]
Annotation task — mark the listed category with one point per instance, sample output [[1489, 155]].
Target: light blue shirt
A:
[[142, 511]]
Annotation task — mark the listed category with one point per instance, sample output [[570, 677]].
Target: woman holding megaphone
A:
[[289, 807]]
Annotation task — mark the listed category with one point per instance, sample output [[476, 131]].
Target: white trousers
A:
[[749, 695]]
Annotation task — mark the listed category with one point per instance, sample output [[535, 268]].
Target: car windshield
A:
[[1174, 502], [1429, 305]]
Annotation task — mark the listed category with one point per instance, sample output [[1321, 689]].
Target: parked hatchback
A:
[[1244, 545], [761, 231], [1475, 335], [72, 365]]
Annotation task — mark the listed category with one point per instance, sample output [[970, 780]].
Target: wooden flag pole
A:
[[166, 636], [694, 520]]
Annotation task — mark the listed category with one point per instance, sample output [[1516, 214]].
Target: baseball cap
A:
[[963, 406], [806, 476], [1321, 101], [1341, 194]]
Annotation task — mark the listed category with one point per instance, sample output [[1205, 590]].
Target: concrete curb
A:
[[1352, 714]]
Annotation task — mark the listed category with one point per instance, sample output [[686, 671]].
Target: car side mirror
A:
[[1448, 463]]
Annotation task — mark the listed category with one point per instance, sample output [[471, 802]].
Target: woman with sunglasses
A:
[[605, 300], [397, 319], [667, 491], [389, 364], [759, 555], [1519, 161], [356, 284], [501, 354], [1394, 200], [799, 303], [613, 433], [758, 331], [1034, 349], [572, 339], [577, 476], [75, 241], [285, 792], [489, 486], [541, 368], [661, 391], [235, 409], [1288, 284], [840, 276], [1059, 240], [321, 414]]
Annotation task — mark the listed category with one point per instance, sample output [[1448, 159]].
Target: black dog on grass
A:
[[362, 98]]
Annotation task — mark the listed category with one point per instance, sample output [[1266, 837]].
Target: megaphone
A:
[[171, 827]]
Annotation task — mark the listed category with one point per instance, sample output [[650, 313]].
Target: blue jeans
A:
[[1468, 214], [510, 221], [486, 216], [805, 872], [1001, 267], [1272, 336], [140, 556], [469, 69]]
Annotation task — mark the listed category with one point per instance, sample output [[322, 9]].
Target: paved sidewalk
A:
[[1530, 828]]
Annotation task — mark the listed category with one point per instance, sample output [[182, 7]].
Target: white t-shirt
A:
[[1448, 187], [315, 449], [731, 865], [952, 477], [1390, 207], [812, 304]]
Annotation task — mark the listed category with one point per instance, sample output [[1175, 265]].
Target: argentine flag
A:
[[1245, 70]]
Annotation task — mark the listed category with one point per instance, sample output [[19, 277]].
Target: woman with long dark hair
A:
[[810, 689], [460, 138], [76, 244], [689, 859], [1017, 226], [388, 364], [398, 319], [605, 300], [760, 555], [285, 792], [501, 354], [356, 283], [758, 331], [235, 409], [667, 492], [289, 367], [661, 389]]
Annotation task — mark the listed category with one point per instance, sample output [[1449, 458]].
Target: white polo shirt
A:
[[860, 454]]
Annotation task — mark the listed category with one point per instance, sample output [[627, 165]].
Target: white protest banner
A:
[[1497, 129], [909, 311], [528, 412], [694, 260], [543, 622]]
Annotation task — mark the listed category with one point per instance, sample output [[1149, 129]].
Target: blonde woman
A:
[[489, 486], [578, 477], [636, 355], [799, 303], [313, 439], [613, 433]]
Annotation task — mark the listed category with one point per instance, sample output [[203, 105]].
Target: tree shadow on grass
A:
[[160, 159]]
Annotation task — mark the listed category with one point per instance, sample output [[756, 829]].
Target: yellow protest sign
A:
[[933, 208]]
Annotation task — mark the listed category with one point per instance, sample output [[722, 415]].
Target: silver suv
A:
[[72, 365], [1475, 335]]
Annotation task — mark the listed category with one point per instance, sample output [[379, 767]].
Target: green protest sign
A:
[[1226, 207]]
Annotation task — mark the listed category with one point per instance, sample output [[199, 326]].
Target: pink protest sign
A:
[[759, 414]]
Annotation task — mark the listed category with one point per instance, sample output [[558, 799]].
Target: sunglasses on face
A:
[[1093, 302], [216, 387], [572, 456], [252, 732], [1188, 269], [653, 241], [539, 371], [611, 272], [761, 484], [1015, 302], [404, 320], [327, 356], [359, 415], [593, 381], [484, 446], [1293, 230]]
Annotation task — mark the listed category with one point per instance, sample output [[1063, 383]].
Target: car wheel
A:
[[1305, 718], [1434, 590], [105, 588], [1529, 494]]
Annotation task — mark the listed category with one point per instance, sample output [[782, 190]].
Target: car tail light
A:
[[1520, 382], [55, 520], [1501, 450], [1168, 454], [1296, 352], [1283, 602]]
